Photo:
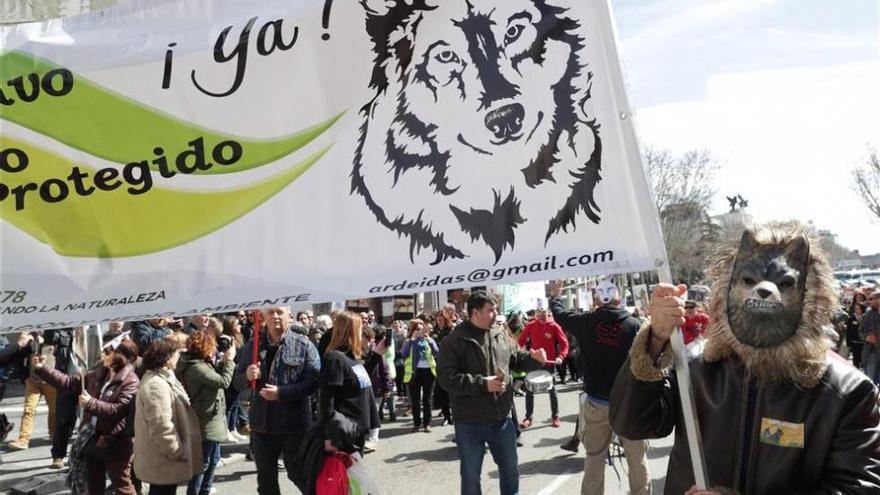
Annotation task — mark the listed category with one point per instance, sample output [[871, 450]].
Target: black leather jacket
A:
[[832, 429]]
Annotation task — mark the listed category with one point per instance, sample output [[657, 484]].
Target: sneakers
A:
[[370, 446], [234, 437], [18, 445], [526, 423], [57, 464], [427, 428], [555, 422], [571, 445]]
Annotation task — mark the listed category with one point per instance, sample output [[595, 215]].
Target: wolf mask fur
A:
[[491, 89], [772, 295]]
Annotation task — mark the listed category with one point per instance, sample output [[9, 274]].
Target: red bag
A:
[[333, 478]]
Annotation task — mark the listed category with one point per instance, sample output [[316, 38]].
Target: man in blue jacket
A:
[[286, 375]]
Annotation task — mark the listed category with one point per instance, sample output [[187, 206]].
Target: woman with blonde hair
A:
[[346, 389], [420, 372]]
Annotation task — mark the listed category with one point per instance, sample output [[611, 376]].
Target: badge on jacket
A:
[[781, 433]]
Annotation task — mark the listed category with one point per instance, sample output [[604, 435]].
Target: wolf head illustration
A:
[[491, 89]]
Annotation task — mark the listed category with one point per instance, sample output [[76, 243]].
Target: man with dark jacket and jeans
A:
[[474, 367], [66, 403], [605, 337], [286, 375]]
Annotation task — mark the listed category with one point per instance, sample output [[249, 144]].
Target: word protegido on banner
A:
[[136, 175]]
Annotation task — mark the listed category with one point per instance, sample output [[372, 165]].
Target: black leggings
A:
[[162, 489], [421, 392]]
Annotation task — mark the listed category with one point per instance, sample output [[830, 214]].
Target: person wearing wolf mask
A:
[[778, 411]]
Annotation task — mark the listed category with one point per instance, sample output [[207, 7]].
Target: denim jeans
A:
[[235, 414], [201, 483], [872, 368], [472, 438]]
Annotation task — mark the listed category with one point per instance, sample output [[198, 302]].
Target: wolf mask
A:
[[772, 295], [767, 287], [478, 109]]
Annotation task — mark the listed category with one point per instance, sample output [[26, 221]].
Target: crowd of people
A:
[[859, 328], [166, 395]]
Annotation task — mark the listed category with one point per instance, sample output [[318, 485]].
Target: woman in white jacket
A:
[[167, 438]]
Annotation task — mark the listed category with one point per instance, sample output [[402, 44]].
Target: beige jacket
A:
[[167, 439]]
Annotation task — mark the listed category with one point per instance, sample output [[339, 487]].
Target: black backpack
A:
[[5, 427]]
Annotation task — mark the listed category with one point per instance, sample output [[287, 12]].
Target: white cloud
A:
[[794, 40], [789, 139]]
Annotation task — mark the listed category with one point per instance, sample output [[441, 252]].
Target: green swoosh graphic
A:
[[108, 125], [115, 224]]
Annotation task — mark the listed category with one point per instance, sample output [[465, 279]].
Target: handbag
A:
[[333, 478], [100, 447]]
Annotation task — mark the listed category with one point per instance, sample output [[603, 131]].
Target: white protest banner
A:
[[519, 298], [173, 157]]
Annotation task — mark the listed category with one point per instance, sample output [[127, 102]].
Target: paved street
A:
[[405, 462]]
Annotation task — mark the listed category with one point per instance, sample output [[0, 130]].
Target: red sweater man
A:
[[544, 333], [695, 323]]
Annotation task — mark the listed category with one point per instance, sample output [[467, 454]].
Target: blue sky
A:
[[786, 93]]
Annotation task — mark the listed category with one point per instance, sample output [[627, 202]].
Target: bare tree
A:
[[683, 191], [689, 178], [866, 182]]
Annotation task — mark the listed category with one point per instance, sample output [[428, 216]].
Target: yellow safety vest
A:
[[408, 364]]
